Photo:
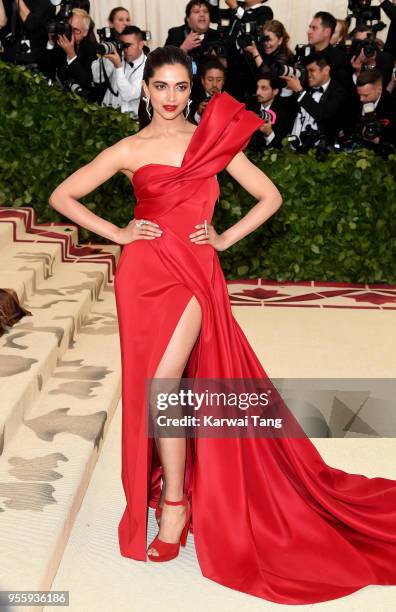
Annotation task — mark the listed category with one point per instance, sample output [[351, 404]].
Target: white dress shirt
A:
[[125, 80], [303, 118]]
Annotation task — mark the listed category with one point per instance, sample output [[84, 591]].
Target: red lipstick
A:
[[170, 108]]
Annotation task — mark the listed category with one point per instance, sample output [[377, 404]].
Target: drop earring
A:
[[147, 100], [188, 107]]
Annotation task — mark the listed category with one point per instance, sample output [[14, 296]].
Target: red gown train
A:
[[270, 517]]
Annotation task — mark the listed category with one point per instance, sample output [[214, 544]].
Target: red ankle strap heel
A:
[[170, 550]]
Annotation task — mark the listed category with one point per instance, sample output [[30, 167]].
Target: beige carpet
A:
[[60, 485], [289, 342]]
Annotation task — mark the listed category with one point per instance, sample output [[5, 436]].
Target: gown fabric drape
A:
[[270, 517]]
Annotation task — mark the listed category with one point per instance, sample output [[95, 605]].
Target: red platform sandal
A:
[[170, 550]]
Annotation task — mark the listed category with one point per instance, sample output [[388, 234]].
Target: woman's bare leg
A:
[[172, 451]]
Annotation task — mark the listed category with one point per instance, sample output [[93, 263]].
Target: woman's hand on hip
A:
[[206, 234], [136, 230]]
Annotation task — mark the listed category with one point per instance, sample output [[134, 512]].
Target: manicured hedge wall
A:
[[337, 221]]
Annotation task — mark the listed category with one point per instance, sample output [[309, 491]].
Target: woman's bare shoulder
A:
[[140, 146], [130, 148]]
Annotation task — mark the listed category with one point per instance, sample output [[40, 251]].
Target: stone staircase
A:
[[60, 377]]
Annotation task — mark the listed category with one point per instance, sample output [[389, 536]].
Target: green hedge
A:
[[337, 222]]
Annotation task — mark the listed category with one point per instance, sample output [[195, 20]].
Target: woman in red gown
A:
[[270, 517]]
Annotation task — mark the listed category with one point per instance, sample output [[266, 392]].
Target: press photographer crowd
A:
[[336, 90]]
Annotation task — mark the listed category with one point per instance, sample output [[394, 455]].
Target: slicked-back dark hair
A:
[[320, 58], [211, 65], [131, 29], [328, 20], [369, 77], [161, 56]]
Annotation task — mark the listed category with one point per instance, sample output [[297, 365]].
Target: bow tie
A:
[[319, 89]]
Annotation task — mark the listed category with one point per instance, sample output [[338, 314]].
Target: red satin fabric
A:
[[270, 517]]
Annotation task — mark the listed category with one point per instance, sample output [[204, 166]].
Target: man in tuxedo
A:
[[25, 20], [322, 105], [375, 103], [120, 76], [70, 59], [267, 98], [213, 80], [320, 31]]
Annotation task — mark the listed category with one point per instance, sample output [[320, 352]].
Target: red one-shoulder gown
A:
[[270, 517]]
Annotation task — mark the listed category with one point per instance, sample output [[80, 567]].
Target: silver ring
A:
[[141, 222]]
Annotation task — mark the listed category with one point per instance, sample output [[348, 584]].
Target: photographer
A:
[[245, 32], [273, 49], [267, 99], [366, 55], [195, 37], [69, 56], [273, 52], [377, 118], [213, 80], [250, 11], [122, 71], [389, 9], [322, 105], [24, 35], [320, 32]]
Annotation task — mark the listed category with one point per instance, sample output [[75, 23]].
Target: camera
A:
[[250, 32], [218, 47], [282, 70], [310, 139], [370, 127], [363, 11], [109, 42], [299, 70], [365, 14], [60, 25], [267, 115], [368, 46]]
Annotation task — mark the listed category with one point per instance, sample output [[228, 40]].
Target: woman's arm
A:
[[260, 187], [64, 198]]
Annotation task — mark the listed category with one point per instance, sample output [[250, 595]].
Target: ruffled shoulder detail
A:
[[225, 129]]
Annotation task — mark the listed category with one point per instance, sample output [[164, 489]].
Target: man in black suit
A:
[[242, 72], [26, 19], [195, 37], [195, 34], [243, 12], [320, 31], [375, 103], [267, 98], [70, 60], [323, 105], [212, 79]]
